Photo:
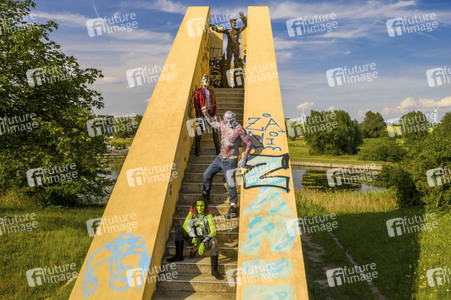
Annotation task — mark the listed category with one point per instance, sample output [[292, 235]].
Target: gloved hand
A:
[[194, 241], [242, 163], [201, 249]]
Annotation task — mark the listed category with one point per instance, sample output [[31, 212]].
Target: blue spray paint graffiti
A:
[[279, 238], [277, 203], [264, 125], [270, 224], [258, 170], [277, 269], [116, 252]]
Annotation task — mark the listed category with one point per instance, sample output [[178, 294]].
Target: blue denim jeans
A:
[[225, 165]]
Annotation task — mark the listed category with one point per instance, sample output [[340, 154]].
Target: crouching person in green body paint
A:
[[199, 230]]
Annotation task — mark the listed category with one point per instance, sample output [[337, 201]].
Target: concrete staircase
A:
[[194, 279]]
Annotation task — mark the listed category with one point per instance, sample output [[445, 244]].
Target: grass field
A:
[[60, 238], [401, 261], [299, 151]]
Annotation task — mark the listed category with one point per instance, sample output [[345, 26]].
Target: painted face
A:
[[204, 81], [229, 118], [233, 23], [200, 207]]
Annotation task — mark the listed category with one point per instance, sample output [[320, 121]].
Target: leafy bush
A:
[[387, 150]]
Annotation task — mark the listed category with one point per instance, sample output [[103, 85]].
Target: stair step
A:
[[192, 187], [193, 296], [227, 249], [189, 197], [206, 149], [230, 105], [199, 176], [199, 265], [196, 283], [222, 236]]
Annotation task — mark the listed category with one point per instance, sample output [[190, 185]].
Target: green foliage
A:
[[60, 110], [425, 151], [294, 130], [399, 179], [125, 127], [373, 125], [387, 149], [431, 152], [414, 125], [332, 133]]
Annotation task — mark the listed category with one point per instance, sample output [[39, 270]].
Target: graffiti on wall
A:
[[259, 168], [264, 132], [115, 255], [268, 214], [215, 67]]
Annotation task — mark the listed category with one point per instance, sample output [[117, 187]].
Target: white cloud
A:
[[68, 19], [405, 104], [427, 103], [163, 5], [331, 108], [305, 105]]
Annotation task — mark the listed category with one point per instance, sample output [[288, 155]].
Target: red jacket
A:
[[200, 100]]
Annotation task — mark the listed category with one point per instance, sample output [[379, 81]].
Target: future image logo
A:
[[110, 25], [414, 24], [438, 76], [414, 224], [438, 276], [311, 25], [349, 75], [196, 26]]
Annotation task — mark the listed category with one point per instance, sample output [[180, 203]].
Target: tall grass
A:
[[314, 202]]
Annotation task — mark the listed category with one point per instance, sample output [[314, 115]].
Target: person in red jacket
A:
[[204, 98]]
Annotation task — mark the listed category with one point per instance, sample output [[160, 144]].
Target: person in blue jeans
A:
[[232, 134]]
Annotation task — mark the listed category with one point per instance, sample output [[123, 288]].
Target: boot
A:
[[214, 268], [218, 147], [178, 252], [197, 146], [232, 213], [206, 196]]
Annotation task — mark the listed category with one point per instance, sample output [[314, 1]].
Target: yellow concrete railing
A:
[[270, 259], [132, 234]]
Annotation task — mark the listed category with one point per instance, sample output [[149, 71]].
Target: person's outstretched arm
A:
[[210, 120], [244, 19]]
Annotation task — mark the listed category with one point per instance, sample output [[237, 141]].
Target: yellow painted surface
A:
[[162, 140], [262, 103]]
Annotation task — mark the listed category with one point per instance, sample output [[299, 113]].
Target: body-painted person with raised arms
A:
[[232, 134], [199, 230]]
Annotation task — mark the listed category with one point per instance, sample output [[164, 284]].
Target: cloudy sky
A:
[[359, 37]]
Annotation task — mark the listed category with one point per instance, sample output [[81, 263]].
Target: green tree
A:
[[332, 133], [41, 84], [414, 125], [410, 177], [373, 125], [126, 127], [385, 150], [294, 129]]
